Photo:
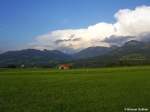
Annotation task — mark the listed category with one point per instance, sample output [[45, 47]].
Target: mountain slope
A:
[[32, 57], [131, 53], [92, 52]]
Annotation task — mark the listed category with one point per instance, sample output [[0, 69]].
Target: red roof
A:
[[65, 65]]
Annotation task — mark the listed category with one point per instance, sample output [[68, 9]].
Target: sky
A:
[[71, 25]]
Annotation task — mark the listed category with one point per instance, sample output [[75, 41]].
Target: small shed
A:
[[65, 66]]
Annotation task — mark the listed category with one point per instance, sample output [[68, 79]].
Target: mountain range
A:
[[32, 58], [131, 53]]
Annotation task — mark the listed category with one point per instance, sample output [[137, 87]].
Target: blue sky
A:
[[22, 20]]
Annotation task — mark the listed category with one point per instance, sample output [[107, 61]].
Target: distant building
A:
[[65, 66], [22, 66]]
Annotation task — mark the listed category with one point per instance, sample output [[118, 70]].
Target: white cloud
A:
[[128, 23], [133, 22]]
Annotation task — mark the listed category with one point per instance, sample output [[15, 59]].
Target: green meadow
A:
[[76, 90]]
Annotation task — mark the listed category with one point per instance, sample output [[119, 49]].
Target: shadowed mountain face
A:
[[131, 47], [92, 52], [131, 53], [32, 57]]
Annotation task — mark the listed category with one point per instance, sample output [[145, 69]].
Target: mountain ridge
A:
[[91, 57]]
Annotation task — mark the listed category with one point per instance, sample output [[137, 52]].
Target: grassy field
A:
[[82, 90]]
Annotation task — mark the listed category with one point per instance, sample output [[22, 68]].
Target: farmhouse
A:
[[65, 66]]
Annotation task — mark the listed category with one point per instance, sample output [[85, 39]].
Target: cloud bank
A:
[[130, 24]]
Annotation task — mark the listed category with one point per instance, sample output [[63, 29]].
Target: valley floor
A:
[[80, 90]]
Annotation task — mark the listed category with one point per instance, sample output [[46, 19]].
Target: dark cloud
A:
[[72, 38], [118, 40], [144, 37], [76, 39], [62, 40]]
